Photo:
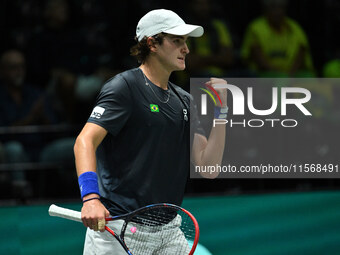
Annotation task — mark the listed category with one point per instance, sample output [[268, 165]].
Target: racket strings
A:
[[155, 218], [160, 231]]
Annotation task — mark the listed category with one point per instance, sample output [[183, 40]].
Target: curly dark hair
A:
[[141, 50]]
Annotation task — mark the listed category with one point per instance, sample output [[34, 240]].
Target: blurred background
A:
[[55, 55]]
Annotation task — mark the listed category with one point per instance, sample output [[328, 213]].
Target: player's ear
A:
[[150, 41]]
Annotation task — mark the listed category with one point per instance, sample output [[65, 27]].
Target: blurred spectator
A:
[[101, 22], [18, 18], [57, 44], [275, 45], [210, 54], [88, 86], [21, 104], [72, 98], [61, 92]]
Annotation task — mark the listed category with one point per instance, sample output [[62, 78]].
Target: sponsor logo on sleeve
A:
[[97, 112]]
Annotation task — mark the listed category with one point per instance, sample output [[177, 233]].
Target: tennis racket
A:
[[158, 228]]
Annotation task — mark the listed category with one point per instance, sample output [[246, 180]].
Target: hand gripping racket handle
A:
[[64, 213], [76, 216]]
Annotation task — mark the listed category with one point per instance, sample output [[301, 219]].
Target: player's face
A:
[[172, 52]]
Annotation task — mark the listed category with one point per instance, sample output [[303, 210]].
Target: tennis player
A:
[[134, 149]]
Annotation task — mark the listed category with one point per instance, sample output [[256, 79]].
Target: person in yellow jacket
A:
[[276, 45]]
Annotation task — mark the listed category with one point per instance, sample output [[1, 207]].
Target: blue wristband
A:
[[220, 113], [88, 183]]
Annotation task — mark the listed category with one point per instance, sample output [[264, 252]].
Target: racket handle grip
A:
[[64, 213]]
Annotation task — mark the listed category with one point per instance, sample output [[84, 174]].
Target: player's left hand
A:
[[222, 92]]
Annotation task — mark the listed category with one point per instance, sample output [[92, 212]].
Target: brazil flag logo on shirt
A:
[[154, 108]]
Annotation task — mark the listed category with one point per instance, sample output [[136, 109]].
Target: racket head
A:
[[160, 227]]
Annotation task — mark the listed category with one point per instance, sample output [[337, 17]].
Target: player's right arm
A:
[[85, 156]]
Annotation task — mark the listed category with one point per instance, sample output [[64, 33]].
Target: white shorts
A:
[[162, 240]]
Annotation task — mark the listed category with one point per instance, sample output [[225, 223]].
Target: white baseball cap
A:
[[161, 20]]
